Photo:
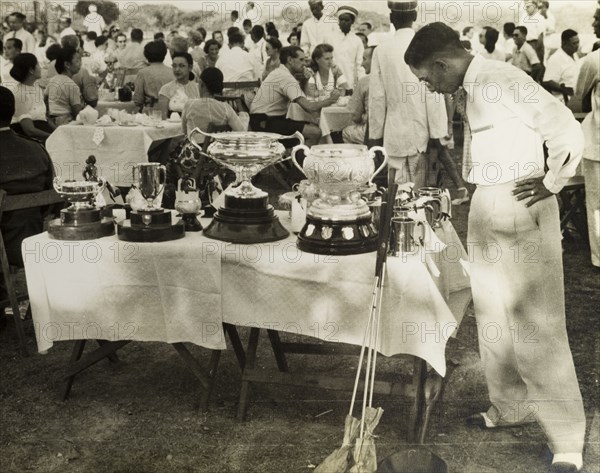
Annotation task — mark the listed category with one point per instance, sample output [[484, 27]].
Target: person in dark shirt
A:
[[25, 167]]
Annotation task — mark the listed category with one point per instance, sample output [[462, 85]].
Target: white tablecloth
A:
[[329, 119], [104, 105], [122, 147], [181, 291]]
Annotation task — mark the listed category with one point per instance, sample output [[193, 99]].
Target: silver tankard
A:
[[434, 203], [406, 234]]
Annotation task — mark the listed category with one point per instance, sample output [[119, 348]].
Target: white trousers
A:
[[591, 171], [518, 292], [410, 169]]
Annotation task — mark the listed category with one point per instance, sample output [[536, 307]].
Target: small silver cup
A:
[[406, 235]]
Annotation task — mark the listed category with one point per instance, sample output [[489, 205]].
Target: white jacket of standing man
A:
[[317, 29], [94, 21], [347, 47], [400, 110]]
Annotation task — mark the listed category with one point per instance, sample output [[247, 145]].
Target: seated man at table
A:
[[269, 109], [359, 104], [26, 168], [150, 79]]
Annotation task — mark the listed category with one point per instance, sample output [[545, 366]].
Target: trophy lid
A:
[[247, 138]]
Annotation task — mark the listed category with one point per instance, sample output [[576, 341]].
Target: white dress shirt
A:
[[535, 24], [26, 38], [68, 31], [347, 54], [5, 67], [238, 66], [562, 69], [315, 32], [400, 109], [511, 117]]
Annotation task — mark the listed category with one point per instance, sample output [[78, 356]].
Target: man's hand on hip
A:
[[532, 188]]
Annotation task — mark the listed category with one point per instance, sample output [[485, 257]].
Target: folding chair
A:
[[572, 208], [233, 94], [18, 202]]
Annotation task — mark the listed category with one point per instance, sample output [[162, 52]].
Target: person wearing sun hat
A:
[[317, 29], [347, 47], [402, 115]]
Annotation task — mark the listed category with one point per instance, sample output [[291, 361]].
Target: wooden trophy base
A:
[[86, 231], [246, 221], [148, 227], [326, 237]]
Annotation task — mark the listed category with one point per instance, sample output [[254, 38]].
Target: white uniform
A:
[[348, 55], [315, 32], [401, 111]]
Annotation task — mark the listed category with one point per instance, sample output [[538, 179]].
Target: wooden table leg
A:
[[238, 348], [212, 373], [75, 355], [250, 360], [278, 350], [416, 416]]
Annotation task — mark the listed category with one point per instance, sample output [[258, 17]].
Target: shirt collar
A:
[[405, 32], [472, 72]]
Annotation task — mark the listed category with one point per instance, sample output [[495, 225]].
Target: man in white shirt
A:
[[588, 92], [562, 68], [238, 65], [12, 48], [94, 21], [399, 108], [536, 27], [64, 25], [524, 56], [515, 211], [508, 43], [259, 50], [317, 29], [15, 23], [347, 47]]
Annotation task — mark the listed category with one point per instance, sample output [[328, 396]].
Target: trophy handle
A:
[[446, 203], [162, 171], [372, 152], [198, 130], [297, 135], [56, 185], [421, 240], [295, 150]]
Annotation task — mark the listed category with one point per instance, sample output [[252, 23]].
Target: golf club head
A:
[[413, 460]]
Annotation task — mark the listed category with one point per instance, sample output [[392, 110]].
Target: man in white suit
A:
[[402, 115]]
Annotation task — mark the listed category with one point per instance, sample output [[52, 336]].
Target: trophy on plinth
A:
[[82, 220], [188, 204], [339, 222], [246, 216], [151, 223]]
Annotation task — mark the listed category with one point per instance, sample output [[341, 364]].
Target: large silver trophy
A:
[[82, 220], [246, 216], [339, 222], [151, 223]]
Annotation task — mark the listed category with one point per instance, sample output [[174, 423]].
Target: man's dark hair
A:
[[17, 43], [521, 29], [53, 51], [7, 106], [214, 33], [155, 51], [491, 38], [258, 32], [367, 24], [92, 35], [137, 35], [212, 78], [509, 28], [466, 29], [274, 42], [100, 41], [235, 14], [66, 55], [236, 38], [231, 30], [403, 19], [567, 35], [159, 36], [287, 53], [430, 40], [202, 31], [247, 22]]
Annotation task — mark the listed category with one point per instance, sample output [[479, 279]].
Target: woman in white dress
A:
[[30, 110], [173, 95], [327, 77]]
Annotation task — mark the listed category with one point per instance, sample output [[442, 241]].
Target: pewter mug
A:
[[150, 179], [433, 205], [406, 234]]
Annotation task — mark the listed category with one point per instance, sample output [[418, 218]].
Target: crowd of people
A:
[[46, 81]]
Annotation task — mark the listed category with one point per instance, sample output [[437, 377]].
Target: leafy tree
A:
[[109, 10]]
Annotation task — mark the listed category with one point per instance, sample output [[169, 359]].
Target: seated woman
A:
[[30, 110], [211, 48], [63, 95], [150, 79], [272, 48], [174, 95], [326, 77], [186, 160]]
